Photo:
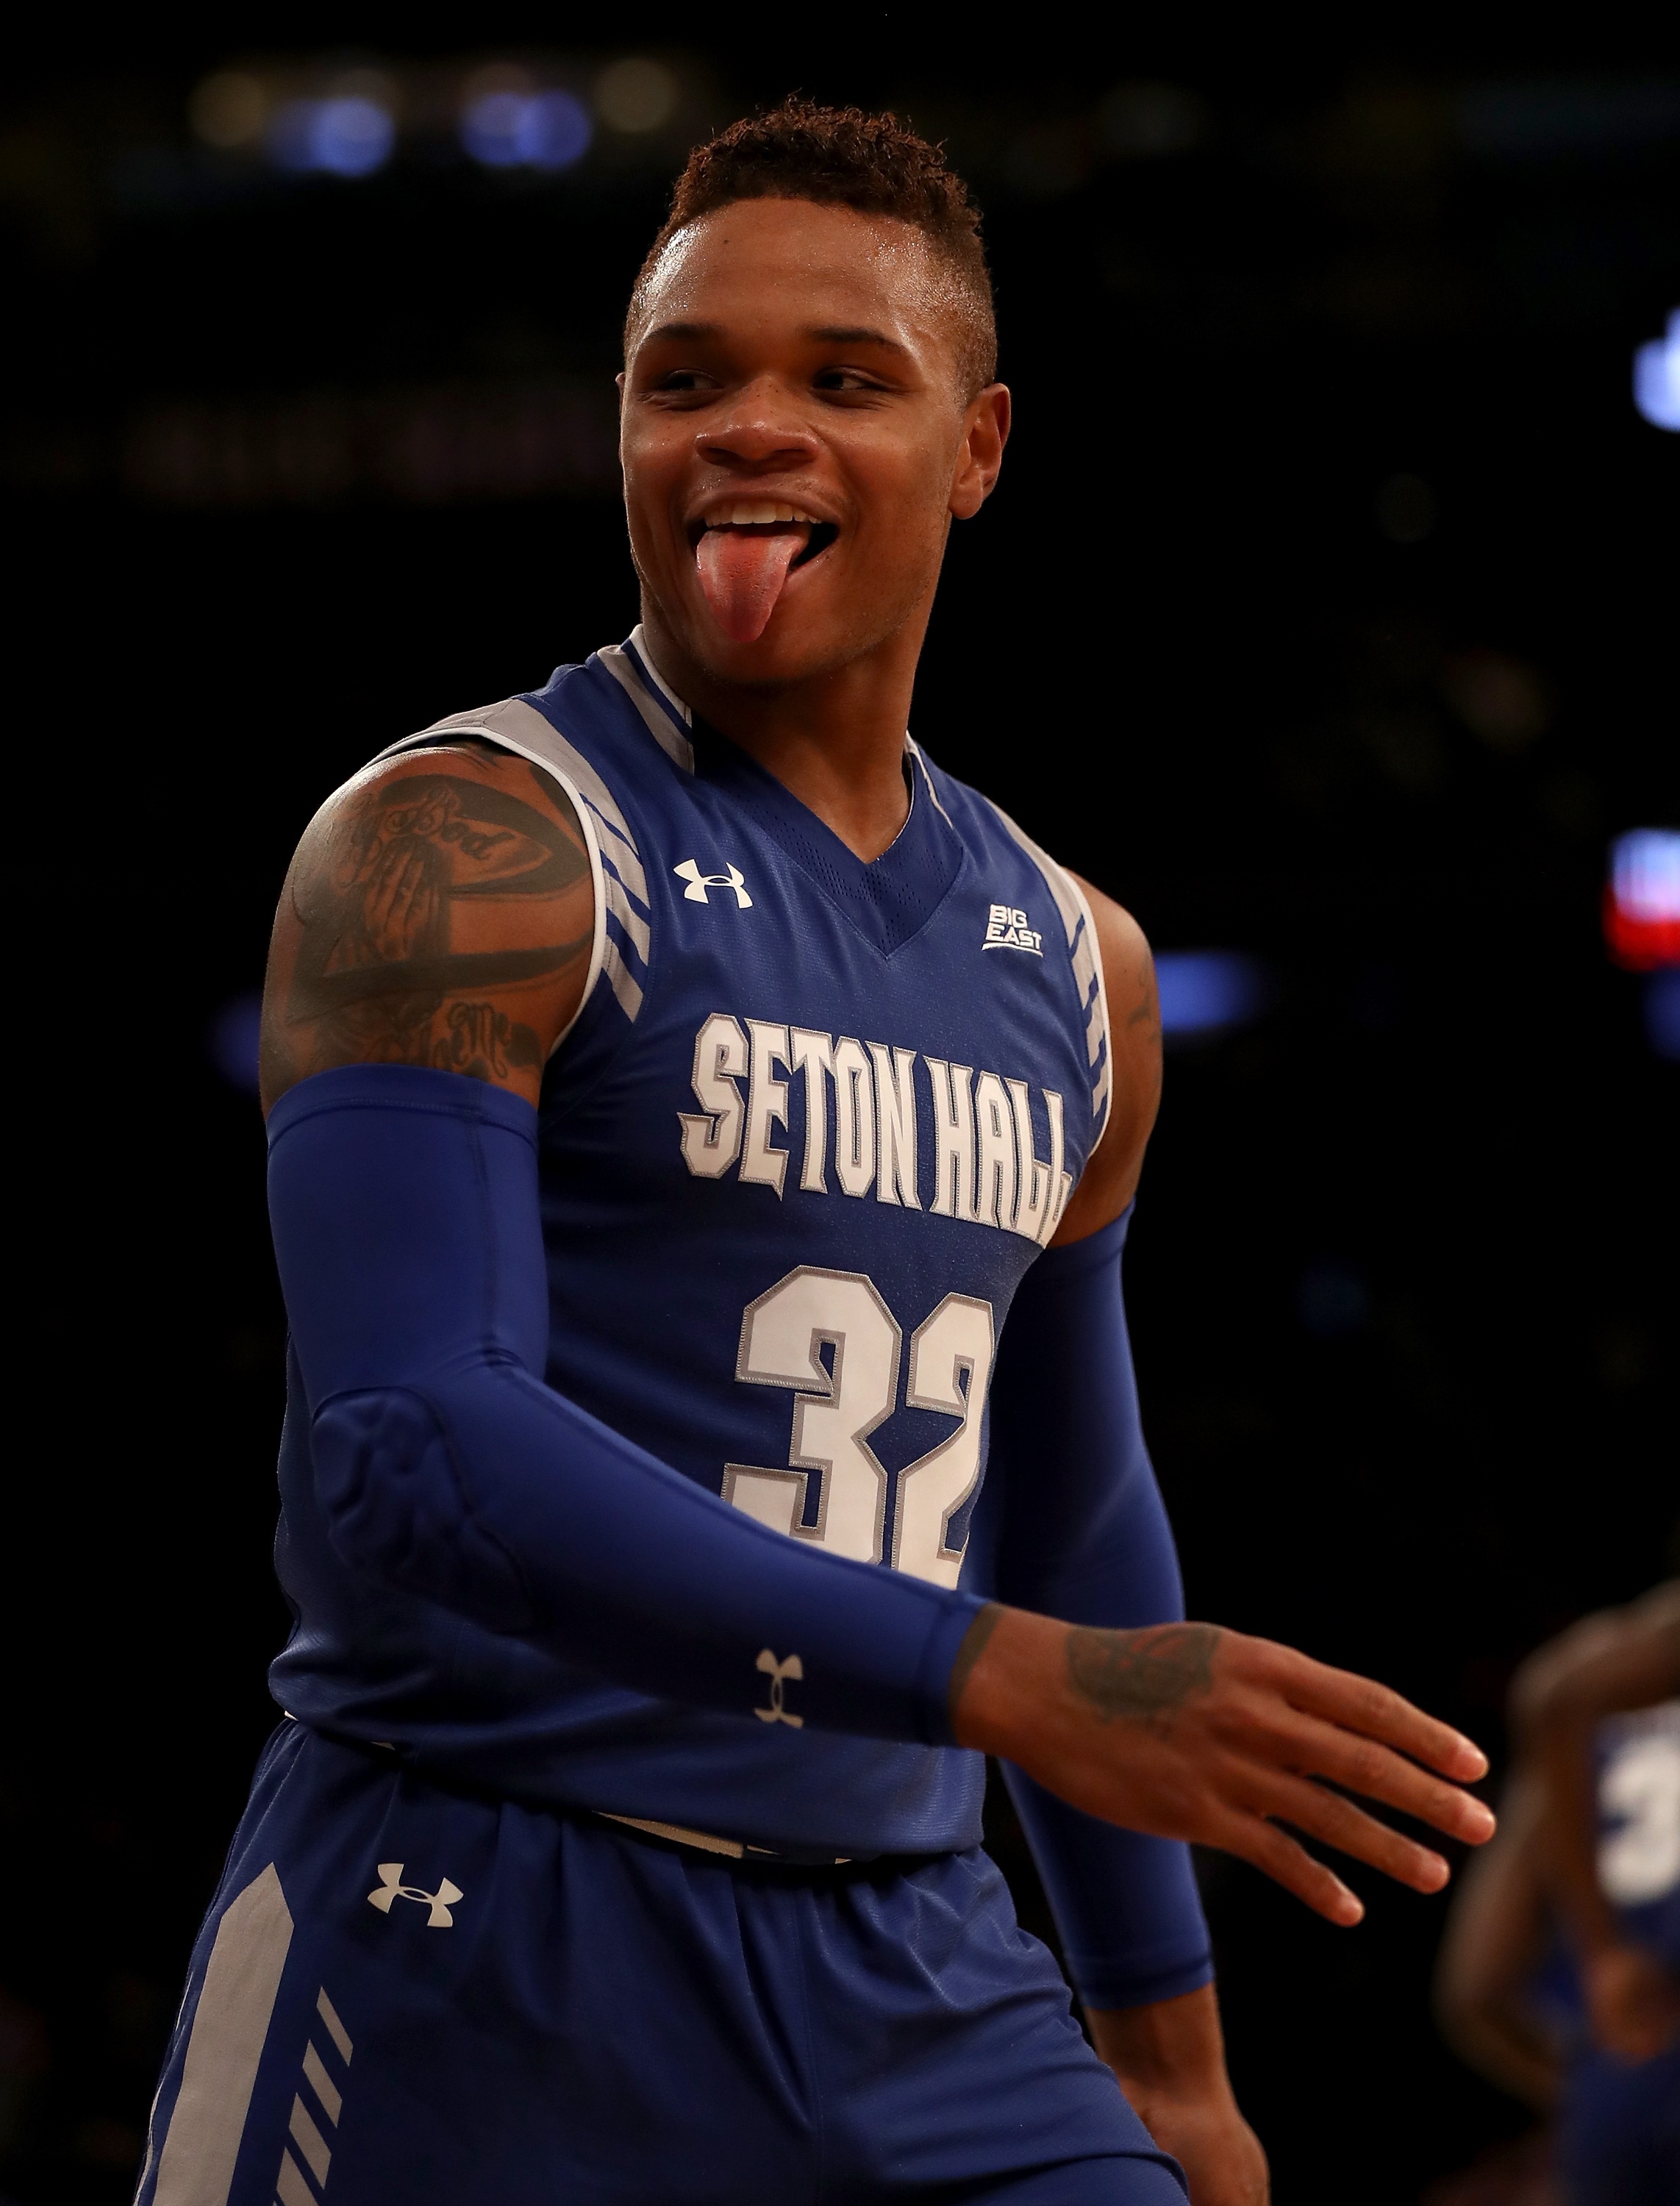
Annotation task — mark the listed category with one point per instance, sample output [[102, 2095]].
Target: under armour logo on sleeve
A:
[[778, 1672], [699, 883], [391, 1888]]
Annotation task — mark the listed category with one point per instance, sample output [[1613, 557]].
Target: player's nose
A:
[[756, 436]]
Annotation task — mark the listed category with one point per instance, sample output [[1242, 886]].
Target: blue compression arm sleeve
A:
[[1082, 1533], [405, 1213]]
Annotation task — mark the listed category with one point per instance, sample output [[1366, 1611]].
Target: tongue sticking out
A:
[[741, 571]]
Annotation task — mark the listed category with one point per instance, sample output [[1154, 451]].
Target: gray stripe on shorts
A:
[[225, 2048]]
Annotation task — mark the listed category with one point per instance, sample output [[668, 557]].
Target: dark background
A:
[[1326, 612]]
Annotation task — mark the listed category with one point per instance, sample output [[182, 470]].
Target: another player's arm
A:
[[1606, 1666], [439, 912], [1186, 1730], [1494, 1940]]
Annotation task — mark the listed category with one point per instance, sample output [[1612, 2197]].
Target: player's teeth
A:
[[747, 513]]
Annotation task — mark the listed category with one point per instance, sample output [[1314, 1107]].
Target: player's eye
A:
[[680, 380], [846, 380]]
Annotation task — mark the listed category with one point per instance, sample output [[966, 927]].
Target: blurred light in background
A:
[[636, 96], [514, 130], [1657, 377], [1569, 118], [1503, 699], [1406, 509], [228, 110], [1210, 992], [1641, 899], [347, 135], [233, 1038], [1662, 1014], [493, 438], [1332, 1301], [320, 118], [1142, 122]]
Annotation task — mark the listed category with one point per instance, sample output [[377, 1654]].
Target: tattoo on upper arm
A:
[[1144, 1676], [386, 892]]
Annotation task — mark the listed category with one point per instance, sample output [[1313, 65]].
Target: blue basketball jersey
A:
[[813, 1122], [1638, 1758], [1618, 2125]]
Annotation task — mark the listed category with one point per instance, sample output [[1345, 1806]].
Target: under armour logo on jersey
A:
[[391, 1888], [1007, 929], [699, 883], [778, 1672]]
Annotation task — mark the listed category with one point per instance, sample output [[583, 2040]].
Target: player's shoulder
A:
[[1128, 964], [456, 790]]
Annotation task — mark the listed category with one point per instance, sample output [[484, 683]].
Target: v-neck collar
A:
[[888, 899]]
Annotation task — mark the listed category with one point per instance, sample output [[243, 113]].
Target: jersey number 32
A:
[[830, 1337]]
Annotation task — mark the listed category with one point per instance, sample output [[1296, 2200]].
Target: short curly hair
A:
[[842, 156]]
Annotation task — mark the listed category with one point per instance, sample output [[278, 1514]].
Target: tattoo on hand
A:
[[1143, 1676]]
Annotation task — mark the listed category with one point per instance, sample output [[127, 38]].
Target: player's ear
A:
[[619, 384], [980, 456]]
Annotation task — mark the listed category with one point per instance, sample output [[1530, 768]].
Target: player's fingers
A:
[[1327, 1815], [1321, 1749], [1289, 1863], [1360, 1704]]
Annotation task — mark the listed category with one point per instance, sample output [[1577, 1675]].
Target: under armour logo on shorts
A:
[[391, 1888], [778, 1672]]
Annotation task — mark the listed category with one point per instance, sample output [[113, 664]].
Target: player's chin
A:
[[786, 653]]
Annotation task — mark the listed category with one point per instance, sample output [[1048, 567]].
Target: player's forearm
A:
[[1498, 2042], [1562, 1753], [405, 1220], [1169, 2049], [1169, 2058]]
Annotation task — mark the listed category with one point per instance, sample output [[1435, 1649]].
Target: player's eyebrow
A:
[[825, 333], [837, 335]]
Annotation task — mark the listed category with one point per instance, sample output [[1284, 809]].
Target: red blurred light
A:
[[1638, 944]]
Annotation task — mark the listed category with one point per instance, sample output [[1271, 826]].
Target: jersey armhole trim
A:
[[1103, 1102], [1081, 933], [429, 738]]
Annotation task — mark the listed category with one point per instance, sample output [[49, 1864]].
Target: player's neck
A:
[[835, 741]]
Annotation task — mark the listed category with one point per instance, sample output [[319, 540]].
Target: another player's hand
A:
[[1633, 2003], [1188, 1732]]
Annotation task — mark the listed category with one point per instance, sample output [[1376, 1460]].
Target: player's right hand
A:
[[1185, 1731]]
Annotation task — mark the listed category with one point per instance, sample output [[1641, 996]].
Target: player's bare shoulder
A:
[[1110, 1179], [439, 911]]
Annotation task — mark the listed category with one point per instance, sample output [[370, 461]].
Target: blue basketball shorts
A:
[[1618, 2131], [404, 1995]]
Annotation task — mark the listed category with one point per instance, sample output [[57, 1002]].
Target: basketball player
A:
[[1586, 2025], [699, 1125]]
